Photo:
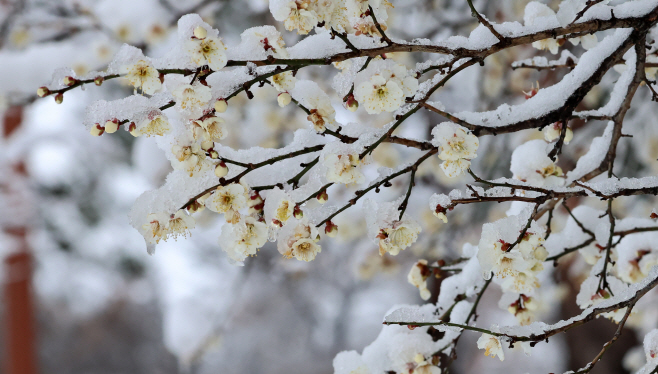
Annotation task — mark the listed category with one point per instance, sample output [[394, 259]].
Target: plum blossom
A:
[[299, 241], [457, 147], [398, 236], [322, 113], [211, 129], [344, 168], [283, 82], [189, 158], [386, 89], [243, 238], [531, 164], [228, 200], [524, 309], [207, 51], [552, 132], [192, 97], [160, 226], [418, 277], [279, 207], [492, 346], [143, 75], [589, 41], [300, 17], [154, 125]]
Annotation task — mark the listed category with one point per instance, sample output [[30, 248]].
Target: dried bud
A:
[[195, 206], [297, 212], [43, 91], [70, 81], [112, 126], [213, 154], [132, 128], [561, 41], [284, 99], [323, 196], [59, 98], [221, 170], [220, 106], [653, 215], [200, 32], [97, 130], [98, 81], [330, 229]]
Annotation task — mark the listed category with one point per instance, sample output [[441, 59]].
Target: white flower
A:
[[279, 207], [531, 164], [210, 129], [299, 241], [283, 82], [552, 132], [161, 225], [190, 158], [418, 277], [397, 237], [457, 147], [492, 346], [378, 95], [524, 309], [322, 113], [154, 125], [192, 97], [208, 51], [300, 17], [156, 228], [228, 199], [143, 75], [422, 366], [343, 168], [243, 238], [589, 41], [550, 44]]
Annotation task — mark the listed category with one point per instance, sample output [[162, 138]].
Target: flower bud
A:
[[43, 91], [221, 170], [330, 229], [207, 144], [200, 32], [297, 212], [220, 106], [112, 126], [98, 80], [284, 99], [132, 128], [59, 98], [351, 104], [322, 196], [97, 130], [213, 154], [70, 81]]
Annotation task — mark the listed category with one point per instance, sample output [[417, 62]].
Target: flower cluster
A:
[[384, 86]]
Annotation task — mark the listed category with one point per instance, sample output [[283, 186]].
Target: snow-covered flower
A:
[[279, 207], [457, 147], [300, 17], [143, 75], [552, 132], [243, 238], [344, 168], [190, 158], [208, 51], [154, 125], [322, 113], [299, 241], [397, 237], [162, 225], [550, 44], [192, 97], [492, 346], [283, 82], [211, 129], [228, 200], [531, 164], [418, 277]]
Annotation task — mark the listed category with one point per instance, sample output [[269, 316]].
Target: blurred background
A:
[[80, 294]]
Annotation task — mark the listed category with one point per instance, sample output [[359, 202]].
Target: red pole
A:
[[19, 328]]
